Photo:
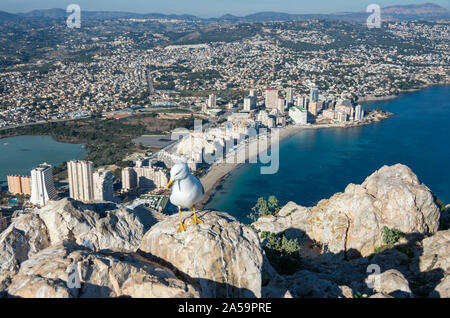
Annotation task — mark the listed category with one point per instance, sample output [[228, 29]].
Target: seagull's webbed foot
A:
[[183, 227], [195, 219]]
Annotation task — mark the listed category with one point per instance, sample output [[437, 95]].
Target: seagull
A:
[[187, 190]]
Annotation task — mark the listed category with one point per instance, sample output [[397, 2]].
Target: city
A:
[[312, 147]]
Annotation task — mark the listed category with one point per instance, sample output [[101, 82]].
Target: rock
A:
[[346, 291], [71, 220], [442, 290], [222, 254], [5, 281], [436, 253], [306, 284], [23, 238], [391, 283], [350, 224], [380, 295], [49, 274], [276, 288]]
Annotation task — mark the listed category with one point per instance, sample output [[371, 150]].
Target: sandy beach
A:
[[218, 172]]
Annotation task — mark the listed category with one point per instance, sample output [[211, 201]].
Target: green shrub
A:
[[265, 207], [391, 236], [283, 253]]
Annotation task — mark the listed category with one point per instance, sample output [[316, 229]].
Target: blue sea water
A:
[[18, 155], [315, 164]]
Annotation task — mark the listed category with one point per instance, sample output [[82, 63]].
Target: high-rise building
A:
[[271, 98], [359, 113], [212, 101], [145, 177], [103, 185], [281, 105], [81, 181], [313, 108], [129, 179], [314, 97], [289, 96], [19, 185], [42, 186], [249, 103]]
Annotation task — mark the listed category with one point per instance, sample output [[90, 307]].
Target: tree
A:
[[264, 207], [274, 204]]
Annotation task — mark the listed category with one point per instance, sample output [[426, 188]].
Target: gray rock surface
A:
[[391, 283], [48, 274], [222, 254]]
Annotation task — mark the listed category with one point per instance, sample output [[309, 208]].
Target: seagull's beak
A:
[[170, 184]]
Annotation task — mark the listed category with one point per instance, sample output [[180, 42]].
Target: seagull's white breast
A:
[[187, 192]]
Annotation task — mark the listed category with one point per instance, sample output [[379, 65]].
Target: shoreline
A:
[[220, 172], [372, 98]]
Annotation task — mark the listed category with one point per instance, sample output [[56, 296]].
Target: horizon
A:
[[213, 10]]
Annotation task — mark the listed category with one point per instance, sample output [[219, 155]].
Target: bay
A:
[[315, 164]]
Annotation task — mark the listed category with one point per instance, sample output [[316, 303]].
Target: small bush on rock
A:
[[283, 253], [391, 236]]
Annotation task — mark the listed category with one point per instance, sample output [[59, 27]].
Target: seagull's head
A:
[[179, 171]]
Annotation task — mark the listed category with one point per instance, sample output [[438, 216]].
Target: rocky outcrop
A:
[[442, 290], [68, 270], [222, 254], [71, 220], [436, 252], [86, 225], [391, 283], [24, 238], [351, 223]]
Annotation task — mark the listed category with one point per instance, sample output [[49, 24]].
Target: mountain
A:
[[426, 11], [7, 17]]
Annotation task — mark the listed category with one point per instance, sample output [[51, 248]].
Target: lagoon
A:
[[18, 155]]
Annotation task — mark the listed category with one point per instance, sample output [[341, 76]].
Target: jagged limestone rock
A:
[[391, 283], [351, 223], [442, 290], [23, 238], [71, 220], [68, 220], [222, 254], [48, 274], [436, 252]]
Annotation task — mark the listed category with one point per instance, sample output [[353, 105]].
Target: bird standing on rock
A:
[[187, 190]]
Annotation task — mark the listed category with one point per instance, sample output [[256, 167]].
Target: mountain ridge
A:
[[426, 11]]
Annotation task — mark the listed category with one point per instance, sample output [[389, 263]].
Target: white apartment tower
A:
[[289, 96], [249, 103], [42, 186], [359, 113], [103, 185], [271, 98], [212, 101], [81, 180], [129, 179]]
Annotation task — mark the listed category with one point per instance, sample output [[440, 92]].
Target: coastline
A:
[[372, 98], [220, 172]]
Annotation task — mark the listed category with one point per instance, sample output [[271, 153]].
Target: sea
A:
[[315, 164]]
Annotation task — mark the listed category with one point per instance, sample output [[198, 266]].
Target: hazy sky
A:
[[209, 8]]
